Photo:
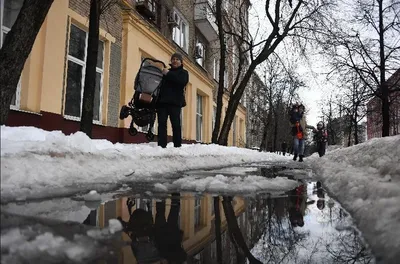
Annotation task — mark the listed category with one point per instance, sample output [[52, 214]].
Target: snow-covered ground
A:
[[37, 163], [365, 178]]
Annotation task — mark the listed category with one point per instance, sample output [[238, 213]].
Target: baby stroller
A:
[[142, 106]]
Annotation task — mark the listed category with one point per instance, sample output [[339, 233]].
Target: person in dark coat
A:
[[284, 148], [171, 100], [320, 137]]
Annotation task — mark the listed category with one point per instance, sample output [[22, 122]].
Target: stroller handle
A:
[[153, 60]]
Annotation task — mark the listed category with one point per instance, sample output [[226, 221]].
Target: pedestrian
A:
[[299, 131], [320, 137], [171, 100], [284, 147]]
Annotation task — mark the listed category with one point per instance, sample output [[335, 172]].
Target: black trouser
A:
[[321, 148], [174, 113]]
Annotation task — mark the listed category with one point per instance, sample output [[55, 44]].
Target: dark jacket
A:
[[172, 89]]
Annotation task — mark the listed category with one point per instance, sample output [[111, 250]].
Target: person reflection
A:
[[159, 241], [297, 203], [140, 229], [168, 235], [321, 196]]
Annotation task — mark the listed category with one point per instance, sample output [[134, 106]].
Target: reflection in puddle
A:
[[302, 226]]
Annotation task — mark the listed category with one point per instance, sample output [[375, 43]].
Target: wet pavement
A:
[[300, 225]]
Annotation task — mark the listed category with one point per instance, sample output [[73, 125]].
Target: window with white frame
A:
[[234, 132], [9, 10], [215, 69], [180, 33], [76, 75], [200, 53], [199, 118]]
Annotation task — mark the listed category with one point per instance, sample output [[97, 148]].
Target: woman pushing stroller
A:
[[171, 100]]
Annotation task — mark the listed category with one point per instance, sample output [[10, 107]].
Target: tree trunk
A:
[[356, 141], [384, 89], [349, 137], [233, 105], [221, 73], [233, 227], [16, 48], [275, 132], [90, 73], [217, 220]]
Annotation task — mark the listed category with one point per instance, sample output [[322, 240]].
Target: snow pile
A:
[[37, 163], [221, 184], [21, 244], [366, 180]]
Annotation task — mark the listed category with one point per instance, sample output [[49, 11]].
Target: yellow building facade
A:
[[50, 92]]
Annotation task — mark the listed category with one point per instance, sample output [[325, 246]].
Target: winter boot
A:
[[301, 158], [295, 157]]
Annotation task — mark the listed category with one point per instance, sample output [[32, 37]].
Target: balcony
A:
[[204, 20]]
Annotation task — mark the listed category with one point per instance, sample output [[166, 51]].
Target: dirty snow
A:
[[364, 178], [36, 163]]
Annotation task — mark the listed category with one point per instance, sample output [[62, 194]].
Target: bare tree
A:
[[372, 56], [16, 48], [283, 21]]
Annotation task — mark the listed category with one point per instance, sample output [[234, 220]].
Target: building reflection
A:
[[196, 219]]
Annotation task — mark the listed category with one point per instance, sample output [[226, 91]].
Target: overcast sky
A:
[[316, 90]]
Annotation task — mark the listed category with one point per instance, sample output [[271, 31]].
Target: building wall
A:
[[374, 110], [127, 37]]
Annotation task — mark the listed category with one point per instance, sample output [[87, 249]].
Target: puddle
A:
[[301, 225]]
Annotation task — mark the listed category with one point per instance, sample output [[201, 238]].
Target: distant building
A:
[[374, 110]]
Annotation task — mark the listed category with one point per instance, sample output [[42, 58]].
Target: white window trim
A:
[[5, 30], [185, 45], [98, 70]]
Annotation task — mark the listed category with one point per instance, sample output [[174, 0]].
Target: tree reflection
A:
[[288, 239]]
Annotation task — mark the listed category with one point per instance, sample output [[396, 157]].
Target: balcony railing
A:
[[204, 19]]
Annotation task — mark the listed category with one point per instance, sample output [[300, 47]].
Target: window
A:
[[180, 34], [216, 69], [9, 10], [197, 213], [76, 75], [200, 53], [199, 118], [234, 132]]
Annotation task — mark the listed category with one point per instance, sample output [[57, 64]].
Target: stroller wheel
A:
[[150, 136], [132, 130], [124, 113]]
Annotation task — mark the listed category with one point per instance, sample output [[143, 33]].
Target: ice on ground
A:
[[233, 184], [38, 163]]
